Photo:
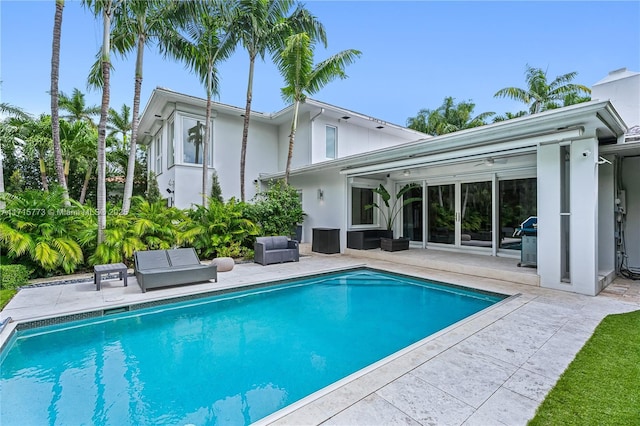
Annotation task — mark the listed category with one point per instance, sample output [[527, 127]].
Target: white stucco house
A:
[[577, 169]]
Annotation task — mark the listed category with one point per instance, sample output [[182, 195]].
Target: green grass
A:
[[5, 297], [601, 386]]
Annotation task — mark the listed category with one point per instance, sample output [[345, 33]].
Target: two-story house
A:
[[575, 169]]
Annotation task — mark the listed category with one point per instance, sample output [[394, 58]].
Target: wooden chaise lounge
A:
[[165, 268]]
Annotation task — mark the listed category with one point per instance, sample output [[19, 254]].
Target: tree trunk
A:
[[55, 120], [85, 185], [245, 129], [131, 164], [292, 137], [102, 126], [207, 136], [43, 174]]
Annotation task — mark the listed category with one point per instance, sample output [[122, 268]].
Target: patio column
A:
[[584, 216]]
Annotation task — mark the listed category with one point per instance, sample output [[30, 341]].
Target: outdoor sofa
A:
[[278, 249], [366, 239], [164, 268]]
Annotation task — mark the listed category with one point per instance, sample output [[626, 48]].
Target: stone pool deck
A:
[[493, 368]]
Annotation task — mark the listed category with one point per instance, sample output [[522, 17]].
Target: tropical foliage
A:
[[277, 210], [302, 78], [261, 27], [38, 228], [447, 118], [148, 226], [541, 95], [391, 211], [220, 230]]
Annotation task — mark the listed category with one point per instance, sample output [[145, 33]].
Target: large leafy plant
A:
[[38, 229], [391, 210], [147, 226], [278, 210], [219, 229]]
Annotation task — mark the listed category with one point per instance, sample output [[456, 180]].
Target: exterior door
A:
[[441, 212], [460, 214], [412, 221]]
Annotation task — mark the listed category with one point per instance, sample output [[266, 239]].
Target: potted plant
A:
[[390, 211]]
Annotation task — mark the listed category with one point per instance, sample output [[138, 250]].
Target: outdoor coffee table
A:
[[99, 270]]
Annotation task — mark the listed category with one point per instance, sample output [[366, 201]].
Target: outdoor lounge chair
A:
[[164, 268]]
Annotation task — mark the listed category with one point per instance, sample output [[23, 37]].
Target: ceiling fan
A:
[[490, 161]]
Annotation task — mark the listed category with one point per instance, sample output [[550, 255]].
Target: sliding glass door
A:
[[460, 214], [441, 211], [476, 213], [412, 223]]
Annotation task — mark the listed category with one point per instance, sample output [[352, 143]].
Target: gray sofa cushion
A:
[[183, 257], [152, 259]]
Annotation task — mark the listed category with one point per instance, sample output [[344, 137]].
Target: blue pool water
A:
[[228, 359]]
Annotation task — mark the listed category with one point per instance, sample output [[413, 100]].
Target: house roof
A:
[[617, 75], [527, 131], [155, 111]]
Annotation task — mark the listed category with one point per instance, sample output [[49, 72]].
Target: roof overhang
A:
[[161, 101], [516, 135]]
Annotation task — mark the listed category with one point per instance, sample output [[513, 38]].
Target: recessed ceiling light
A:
[[158, 116], [380, 127], [345, 117]]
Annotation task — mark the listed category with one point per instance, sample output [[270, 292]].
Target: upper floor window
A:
[[331, 134], [193, 141], [158, 149], [170, 145]]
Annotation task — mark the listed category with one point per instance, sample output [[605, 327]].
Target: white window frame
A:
[[326, 141], [171, 141], [157, 141], [183, 116]]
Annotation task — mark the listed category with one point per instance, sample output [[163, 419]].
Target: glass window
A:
[[159, 153], [192, 141], [518, 201], [170, 144], [360, 198], [331, 136]]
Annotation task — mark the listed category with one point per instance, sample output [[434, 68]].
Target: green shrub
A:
[[219, 230], [278, 210], [37, 228], [13, 276]]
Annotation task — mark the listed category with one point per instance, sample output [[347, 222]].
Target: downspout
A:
[[311, 135]]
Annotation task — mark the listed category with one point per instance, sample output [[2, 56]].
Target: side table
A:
[[99, 270]]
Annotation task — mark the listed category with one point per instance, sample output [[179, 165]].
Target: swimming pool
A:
[[229, 359]]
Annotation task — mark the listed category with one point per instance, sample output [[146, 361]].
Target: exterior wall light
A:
[[320, 194]]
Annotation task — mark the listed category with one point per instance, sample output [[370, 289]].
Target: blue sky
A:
[[413, 54]]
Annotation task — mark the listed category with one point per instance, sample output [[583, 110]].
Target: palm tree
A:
[[302, 77], [119, 123], [541, 95], [55, 121], [142, 23], [201, 45], [106, 8], [509, 116], [35, 135], [447, 118], [76, 107], [73, 137], [261, 26], [11, 110]]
